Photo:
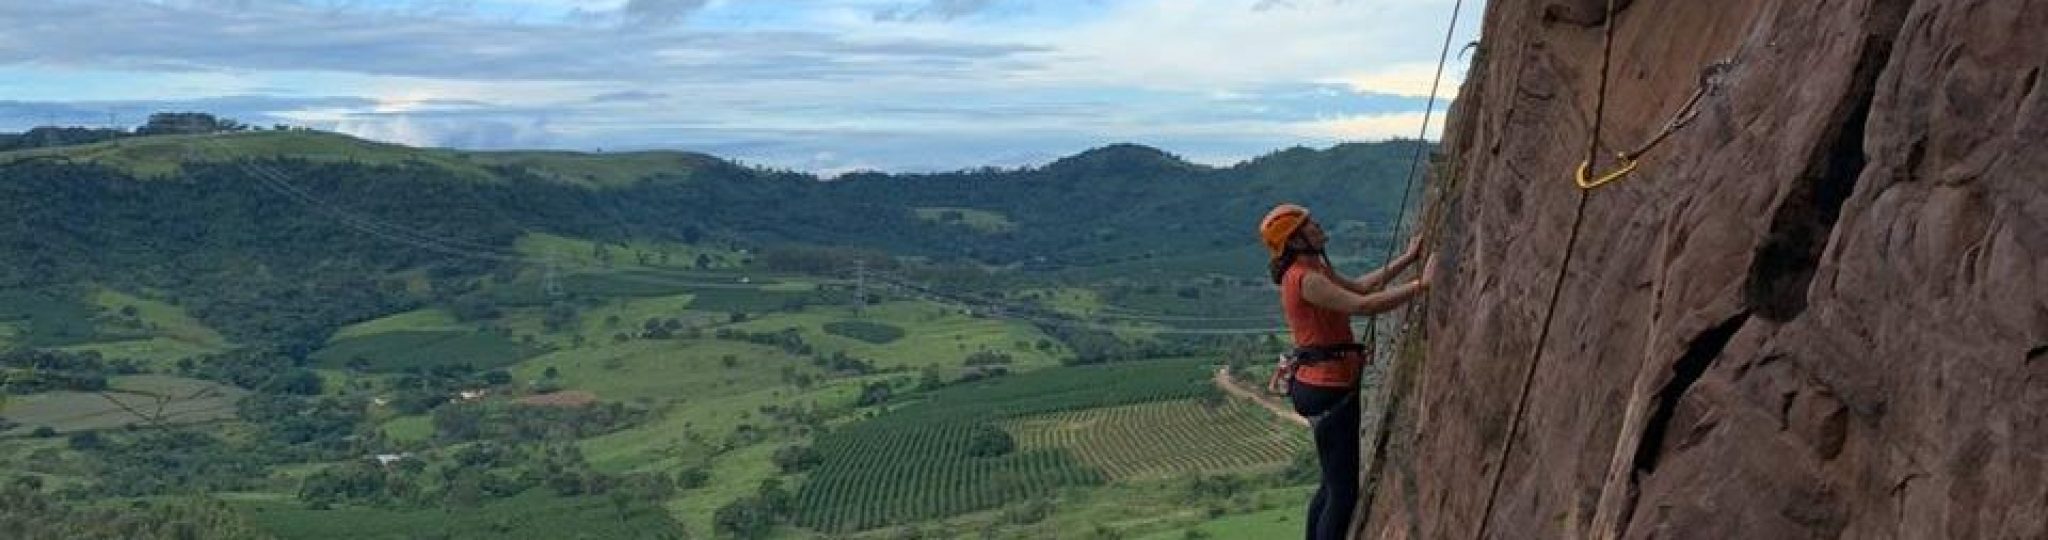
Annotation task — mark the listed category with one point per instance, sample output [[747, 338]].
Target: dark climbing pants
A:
[[1333, 416]]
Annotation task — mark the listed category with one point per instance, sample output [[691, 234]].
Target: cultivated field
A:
[[1165, 439], [170, 400], [948, 455]]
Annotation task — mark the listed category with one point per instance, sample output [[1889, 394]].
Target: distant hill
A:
[[161, 155], [283, 235]]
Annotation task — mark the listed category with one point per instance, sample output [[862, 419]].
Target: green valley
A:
[[297, 334]]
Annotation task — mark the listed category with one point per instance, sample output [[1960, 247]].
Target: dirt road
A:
[[1230, 386]]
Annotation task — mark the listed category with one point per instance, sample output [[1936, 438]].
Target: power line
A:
[[1035, 315], [278, 182]]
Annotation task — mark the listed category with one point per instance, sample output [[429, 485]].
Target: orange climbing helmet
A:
[[1279, 225]]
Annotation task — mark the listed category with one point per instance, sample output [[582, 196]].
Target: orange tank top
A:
[[1314, 326]]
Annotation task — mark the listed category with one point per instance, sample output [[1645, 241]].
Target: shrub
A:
[[871, 332]]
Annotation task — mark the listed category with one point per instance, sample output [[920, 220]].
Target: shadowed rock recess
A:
[[1820, 311]]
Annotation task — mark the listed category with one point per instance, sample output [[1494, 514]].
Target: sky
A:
[[824, 86]]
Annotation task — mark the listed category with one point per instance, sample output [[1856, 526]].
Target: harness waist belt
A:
[[1322, 353]]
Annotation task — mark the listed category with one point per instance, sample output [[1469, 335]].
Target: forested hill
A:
[[281, 236], [1102, 205]]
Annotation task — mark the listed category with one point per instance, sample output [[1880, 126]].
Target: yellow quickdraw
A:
[[1628, 165]]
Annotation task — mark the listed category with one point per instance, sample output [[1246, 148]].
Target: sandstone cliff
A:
[[1820, 311]]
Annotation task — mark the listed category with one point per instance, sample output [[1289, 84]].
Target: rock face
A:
[[1820, 311]]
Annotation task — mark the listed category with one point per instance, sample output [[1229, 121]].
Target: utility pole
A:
[[860, 286]]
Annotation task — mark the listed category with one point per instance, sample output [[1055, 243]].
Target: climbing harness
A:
[[1710, 83], [1283, 371]]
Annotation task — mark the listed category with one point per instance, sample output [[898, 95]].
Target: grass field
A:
[[980, 220], [736, 475], [534, 514], [1068, 300], [1166, 438], [1280, 522], [579, 254], [161, 155], [723, 292], [874, 333], [397, 351], [161, 319], [664, 370], [698, 430], [409, 428], [159, 334], [157, 351], [48, 317], [611, 169], [179, 400], [595, 324], [934, 334], [147, 157], [422, 320]]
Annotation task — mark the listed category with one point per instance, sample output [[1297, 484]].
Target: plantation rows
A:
[[1164, 438], [924, 461]]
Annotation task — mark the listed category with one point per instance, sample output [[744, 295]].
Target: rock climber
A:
[[1322, 372]]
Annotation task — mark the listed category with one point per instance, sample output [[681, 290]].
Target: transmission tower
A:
[[550, 281]]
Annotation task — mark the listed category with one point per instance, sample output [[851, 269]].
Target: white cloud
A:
[[445, 132], [814, 84], [1224, 44], [943, 10], [1369, 127], [1408, 79]]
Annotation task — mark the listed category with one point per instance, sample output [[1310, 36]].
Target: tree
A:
[[796, 458], [85, 441], [466, 490], [693, 478], [297, 381], [930, 378], [622, 503], [874, 393], [656, 328], [457, 422], [774, 498], [559, 316], [497, 377], [474, 308], [187, 123], [986, 441], [745, 518]]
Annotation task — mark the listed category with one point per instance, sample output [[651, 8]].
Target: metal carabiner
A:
[[1628, 165]]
